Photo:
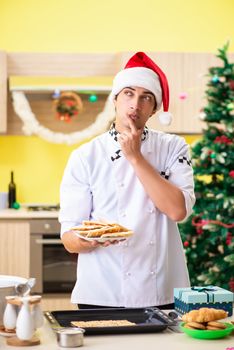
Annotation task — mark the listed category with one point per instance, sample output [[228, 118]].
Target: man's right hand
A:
[[74, 244]]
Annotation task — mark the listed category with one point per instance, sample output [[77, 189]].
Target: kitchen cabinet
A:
[[15, 256], [3, 92], [15, 248], [57, 302]]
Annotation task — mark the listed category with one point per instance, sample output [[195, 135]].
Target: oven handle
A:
[[48, 241]]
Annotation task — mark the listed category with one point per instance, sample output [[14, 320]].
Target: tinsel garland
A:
[[32, 126], [205, 222]]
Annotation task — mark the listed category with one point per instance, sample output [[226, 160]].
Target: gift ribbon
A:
[[209, 296]]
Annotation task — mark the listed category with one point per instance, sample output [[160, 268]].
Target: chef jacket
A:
[[99, 183]]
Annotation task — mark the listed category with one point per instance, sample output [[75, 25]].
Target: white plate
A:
[[102, 239]]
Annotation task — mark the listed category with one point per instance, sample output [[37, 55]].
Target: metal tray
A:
[[147, 320]]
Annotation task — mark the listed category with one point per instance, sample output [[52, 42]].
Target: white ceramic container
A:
[[24, 323], [7, 287]]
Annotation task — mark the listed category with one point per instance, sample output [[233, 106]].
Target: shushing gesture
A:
[[130, 141]]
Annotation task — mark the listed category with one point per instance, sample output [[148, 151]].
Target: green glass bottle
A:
[[11, 192]]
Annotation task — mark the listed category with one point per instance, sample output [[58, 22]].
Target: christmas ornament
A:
[[215, 79], [231, 84], [67, 105], [93, 98], [230, 106], [231, 173], [183, 96]]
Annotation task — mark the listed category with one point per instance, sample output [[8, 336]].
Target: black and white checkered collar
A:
[[114, 133]]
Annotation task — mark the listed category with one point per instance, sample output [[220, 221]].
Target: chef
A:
[[139, 178]]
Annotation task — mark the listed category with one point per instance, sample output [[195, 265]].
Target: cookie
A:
[[196, 325], [217, 325], [187, 326]]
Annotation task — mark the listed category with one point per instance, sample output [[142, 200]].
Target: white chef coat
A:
[[143, 270]]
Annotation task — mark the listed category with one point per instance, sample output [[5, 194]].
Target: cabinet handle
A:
[[48, 241]]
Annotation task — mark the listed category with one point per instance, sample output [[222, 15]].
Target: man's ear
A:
[[115, 100]]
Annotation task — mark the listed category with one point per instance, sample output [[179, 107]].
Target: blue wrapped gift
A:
[[187, 299]]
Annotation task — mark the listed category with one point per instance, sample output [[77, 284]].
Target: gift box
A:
[[187, 299]]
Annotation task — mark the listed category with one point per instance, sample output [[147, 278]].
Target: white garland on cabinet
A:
[[32, 126]]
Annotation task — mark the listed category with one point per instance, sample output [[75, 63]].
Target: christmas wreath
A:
[[68, 105]]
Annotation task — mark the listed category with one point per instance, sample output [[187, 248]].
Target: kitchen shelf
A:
[[44, 84]]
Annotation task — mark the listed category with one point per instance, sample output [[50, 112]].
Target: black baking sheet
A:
[[147, 320]]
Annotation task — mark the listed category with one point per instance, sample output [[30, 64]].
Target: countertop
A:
[[23, 213], [150, 341]]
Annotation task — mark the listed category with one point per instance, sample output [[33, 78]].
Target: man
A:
[[139, 178]]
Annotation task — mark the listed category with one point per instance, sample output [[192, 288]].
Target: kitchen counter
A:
[[151, 341], [23, 213]]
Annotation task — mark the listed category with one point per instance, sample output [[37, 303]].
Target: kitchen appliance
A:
[[53, 267], [147, 320]]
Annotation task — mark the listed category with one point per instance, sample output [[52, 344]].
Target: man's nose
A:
[[135, 103]]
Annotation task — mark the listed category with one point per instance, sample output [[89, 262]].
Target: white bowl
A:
[[7, 287]]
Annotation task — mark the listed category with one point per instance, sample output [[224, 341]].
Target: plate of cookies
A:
[[101, 231], [205, 323]]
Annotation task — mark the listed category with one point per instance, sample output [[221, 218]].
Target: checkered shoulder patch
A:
[[183, 159], [165, 174]]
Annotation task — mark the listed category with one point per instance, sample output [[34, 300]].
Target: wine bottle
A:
[[11, 191]]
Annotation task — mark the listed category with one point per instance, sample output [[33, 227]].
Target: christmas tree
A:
[[208, 234]]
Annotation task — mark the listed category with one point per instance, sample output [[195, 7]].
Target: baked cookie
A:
[[216, 325], [196, 325]]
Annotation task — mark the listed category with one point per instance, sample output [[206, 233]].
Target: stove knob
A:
[[47, 226]]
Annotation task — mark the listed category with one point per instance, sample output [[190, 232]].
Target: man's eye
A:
[[128, 93], [148, 97]]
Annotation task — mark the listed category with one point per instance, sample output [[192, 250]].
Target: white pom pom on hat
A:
[[141, 71]]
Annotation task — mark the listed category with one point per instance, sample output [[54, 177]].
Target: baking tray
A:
[[147, 320]]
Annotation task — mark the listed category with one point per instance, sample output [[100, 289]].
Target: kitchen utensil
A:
[[23, 289], [7, 287], [146, 319], [69, 337]]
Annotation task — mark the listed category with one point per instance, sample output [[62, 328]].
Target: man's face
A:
[[135, 103]]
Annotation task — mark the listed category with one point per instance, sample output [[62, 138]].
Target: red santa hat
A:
[[141, 71]]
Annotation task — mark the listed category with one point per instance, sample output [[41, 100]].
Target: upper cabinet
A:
[[28, 80], [3, 92]]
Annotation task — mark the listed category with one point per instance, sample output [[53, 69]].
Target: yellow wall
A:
[[96, 26]]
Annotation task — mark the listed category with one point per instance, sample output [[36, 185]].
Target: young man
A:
[[139, 178]]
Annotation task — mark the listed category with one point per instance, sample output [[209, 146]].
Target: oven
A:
[[53, 267]]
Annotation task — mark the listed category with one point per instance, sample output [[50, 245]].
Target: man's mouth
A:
[[134, 117]]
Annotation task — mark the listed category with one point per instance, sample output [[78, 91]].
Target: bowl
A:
[[70, 337], [207, 333], [7, 287]]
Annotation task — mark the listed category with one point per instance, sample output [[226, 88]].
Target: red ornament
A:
[[229, 238], [231, 173], [186, 243], [231, 84], [199, 231], [231, 284], [223, 139]]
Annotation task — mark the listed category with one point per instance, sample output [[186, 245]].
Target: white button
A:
[[126, 244], [152, 273], [151, 242], [151, 211], [128, 273], [121, 184]]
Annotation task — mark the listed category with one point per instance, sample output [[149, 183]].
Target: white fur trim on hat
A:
[[165, 118], [140, 77]]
